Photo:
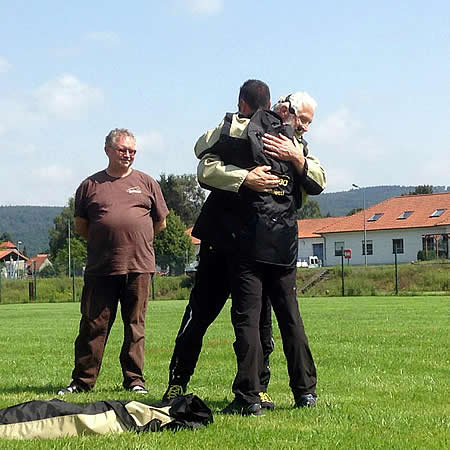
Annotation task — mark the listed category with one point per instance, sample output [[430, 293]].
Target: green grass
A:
[[383, 375]]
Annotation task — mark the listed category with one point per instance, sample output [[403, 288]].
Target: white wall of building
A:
[[305, 247], [14, 268], [381, 243]]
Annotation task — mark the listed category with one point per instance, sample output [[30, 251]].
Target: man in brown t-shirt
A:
[[118, 210]]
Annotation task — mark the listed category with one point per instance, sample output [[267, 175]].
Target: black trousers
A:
[[211, 290], [250, 281]]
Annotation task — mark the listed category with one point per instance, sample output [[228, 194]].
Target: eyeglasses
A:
[[124, 151]]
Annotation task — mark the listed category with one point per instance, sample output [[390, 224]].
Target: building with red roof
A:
[[310, 241], [38, 262], [13, 262], [194, 240], [7, 245], [405, 225]]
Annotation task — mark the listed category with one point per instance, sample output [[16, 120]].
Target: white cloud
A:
[[340, 178], [50, 186], [151, 142], [203, 7], [436, 169], [5, 66], [51, 174], [23, 148], [348, 150], [106, 37], [66, 96], [17, 114], [337, 127]]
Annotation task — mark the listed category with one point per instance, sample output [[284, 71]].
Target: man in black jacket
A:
[[212, 285]]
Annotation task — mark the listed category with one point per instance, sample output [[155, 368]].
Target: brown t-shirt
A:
[[120, 214]]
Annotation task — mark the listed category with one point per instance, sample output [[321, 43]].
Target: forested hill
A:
[[29, 224], [340, 203]]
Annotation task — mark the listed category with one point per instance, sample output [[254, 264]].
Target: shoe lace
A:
[[174, 391], [265, 397]]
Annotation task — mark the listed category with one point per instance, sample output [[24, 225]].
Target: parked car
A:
[[312, 261], [191, 269]]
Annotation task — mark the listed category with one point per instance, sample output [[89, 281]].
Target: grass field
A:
[[383, 371]]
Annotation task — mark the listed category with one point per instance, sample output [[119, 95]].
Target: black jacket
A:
[[259, 226]]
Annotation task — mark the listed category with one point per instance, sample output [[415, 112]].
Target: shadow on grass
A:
[[47, 389], [218, 405], [52, 389]]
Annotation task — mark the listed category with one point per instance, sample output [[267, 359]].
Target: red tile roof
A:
[[40, 258], [194, 240], [309, 228], [422, 207], [14, 252], [4, 253], [7, 244]]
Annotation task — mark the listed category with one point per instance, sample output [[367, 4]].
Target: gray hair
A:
[[110, 140], [295, 100]]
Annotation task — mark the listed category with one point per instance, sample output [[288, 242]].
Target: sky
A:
[[169, 70]]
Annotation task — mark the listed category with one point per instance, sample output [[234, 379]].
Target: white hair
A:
[[296, 100], [111, 139]]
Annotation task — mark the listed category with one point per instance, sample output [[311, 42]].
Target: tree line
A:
[[173, 247]]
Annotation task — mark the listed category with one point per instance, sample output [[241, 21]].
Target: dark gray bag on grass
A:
[[55, 418]]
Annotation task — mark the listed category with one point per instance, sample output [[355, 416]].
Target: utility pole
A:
[[16, 267], [35, 280], [68, 233], [364, 222]]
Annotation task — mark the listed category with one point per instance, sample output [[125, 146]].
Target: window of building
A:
[[369, 247], [427, 243], [338, 248], [405, 214], [437, 213], [397, 246], [375, 217]]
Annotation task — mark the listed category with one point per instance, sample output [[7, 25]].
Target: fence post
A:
[[30, 291], [0, 285], [342, 270], [396, 271], [153, 287], [73, 281], [34, 279]]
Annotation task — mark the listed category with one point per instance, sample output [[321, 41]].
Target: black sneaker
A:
[[266, 401], [306, 401], [238, 406], [71, 389], [173, 391], [138, 389]]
